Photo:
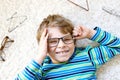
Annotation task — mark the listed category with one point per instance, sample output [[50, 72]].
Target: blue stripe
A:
[[70, 72], [97, 54], [35, 64], [96, 34], [28, 72]]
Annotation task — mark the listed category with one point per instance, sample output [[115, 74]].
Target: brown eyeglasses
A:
[[6, 42]]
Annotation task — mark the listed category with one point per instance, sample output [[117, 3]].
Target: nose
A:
[[61, 44]]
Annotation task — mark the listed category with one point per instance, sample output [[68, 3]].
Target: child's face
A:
[[60, 50]]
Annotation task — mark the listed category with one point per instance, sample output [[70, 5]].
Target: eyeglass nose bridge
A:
[[61, 40]]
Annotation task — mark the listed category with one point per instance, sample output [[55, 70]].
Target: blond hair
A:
[[55, 20]]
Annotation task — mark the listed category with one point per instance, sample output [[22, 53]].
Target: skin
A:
[[62, 52]]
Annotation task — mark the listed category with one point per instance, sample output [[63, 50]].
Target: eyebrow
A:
[[60, 37]]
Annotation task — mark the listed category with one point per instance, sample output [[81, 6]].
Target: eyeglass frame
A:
[[61, 38], [19, 24], [3, 43], [87, 9]]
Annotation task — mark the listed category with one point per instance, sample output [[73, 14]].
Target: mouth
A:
[[62, 52]]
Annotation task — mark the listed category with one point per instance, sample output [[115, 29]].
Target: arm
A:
[[108, 48], [33, 70]]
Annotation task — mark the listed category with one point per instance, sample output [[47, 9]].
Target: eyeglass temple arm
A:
[[5, 40], [2, 58], [81, 6]]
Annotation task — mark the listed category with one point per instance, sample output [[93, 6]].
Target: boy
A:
[[59, 59]]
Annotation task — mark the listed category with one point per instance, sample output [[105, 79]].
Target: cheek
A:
[[51, 50], [72, 46]]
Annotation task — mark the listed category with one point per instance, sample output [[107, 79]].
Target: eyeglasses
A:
[[18, 19], [5, 44], [87, 9], [111, 11], [53, 42]]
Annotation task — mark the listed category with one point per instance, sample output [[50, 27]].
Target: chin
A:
[[63, 60]]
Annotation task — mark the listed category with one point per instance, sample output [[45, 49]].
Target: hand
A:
[[83, 32], [43, 49]]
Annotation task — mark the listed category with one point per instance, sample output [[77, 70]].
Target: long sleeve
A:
[[31, 72], [108, 48]]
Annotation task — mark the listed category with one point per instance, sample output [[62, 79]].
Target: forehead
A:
[[54, 32]]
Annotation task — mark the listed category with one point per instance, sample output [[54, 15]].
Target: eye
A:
[[52, 41], [67, 38]]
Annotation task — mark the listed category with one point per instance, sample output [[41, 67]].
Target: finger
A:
[[46, 39], [76, 28], [80, 30], [44, 33], [75, 33], [76, 37], [47, 35]]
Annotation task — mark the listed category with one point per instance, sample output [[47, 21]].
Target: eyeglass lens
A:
[[54, 41]]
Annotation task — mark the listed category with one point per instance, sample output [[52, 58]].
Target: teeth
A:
[[63, 52]]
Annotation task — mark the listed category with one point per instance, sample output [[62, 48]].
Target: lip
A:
[[65, 51]]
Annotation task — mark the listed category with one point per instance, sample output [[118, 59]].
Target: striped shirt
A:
[[81, 66]]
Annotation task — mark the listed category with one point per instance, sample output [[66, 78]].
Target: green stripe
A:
[[76, 76], [71, 66]]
